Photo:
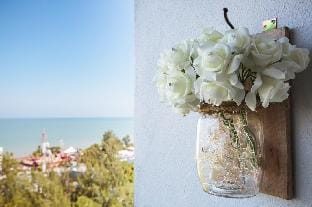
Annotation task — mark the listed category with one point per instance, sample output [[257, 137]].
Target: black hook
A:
[[225, 10]]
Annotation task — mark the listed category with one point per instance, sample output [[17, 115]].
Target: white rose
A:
[[179, 86], [286, 46], [294, 60], [300, 56], [263, 52], [284, 70], [269, 90], [272, 90], [178, 57], [175, 87], [212, 59], [210, 36], [214, 92], [238, 39]]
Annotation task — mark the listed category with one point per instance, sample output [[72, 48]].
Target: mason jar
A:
[[229, 151]]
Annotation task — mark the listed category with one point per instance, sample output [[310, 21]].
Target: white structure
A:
[[45, 145], [70, 150], [127, 154], [45, 149]]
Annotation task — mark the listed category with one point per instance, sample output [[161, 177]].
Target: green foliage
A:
[[84, 201], [55, 149], [127, 141], [9, 165], [111, 143], [37, 152], [108, 182]]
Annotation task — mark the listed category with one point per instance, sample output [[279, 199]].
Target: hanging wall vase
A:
[[239, 84]]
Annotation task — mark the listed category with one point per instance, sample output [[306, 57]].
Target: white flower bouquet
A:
[[232, 67]]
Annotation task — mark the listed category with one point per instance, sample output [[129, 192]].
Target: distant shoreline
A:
[[21, 136]]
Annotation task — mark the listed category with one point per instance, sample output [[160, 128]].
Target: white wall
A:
[[165, 142]]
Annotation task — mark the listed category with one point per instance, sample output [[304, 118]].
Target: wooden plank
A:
[[277, 165]]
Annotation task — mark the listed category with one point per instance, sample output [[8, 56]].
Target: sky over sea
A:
[[71, 58]]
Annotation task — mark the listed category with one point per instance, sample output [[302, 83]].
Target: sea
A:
[[22, 136]]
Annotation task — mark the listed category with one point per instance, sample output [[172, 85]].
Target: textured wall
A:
[[165, 142]]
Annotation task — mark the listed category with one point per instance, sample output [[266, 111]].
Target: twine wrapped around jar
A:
[[228, 107]]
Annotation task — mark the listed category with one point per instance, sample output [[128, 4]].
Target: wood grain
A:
[[277, 164]]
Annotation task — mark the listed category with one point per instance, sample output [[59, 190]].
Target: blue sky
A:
[[72, 58]]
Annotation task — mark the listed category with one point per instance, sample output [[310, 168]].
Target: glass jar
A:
[[229, 153]]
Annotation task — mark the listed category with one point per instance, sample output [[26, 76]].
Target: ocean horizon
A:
[[22, 136]]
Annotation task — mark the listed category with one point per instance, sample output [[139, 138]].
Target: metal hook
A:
[[225, 10]]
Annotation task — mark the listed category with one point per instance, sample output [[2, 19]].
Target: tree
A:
[[55, 149], [111, 144], [127, 141], [37, 152], [48, 190], [108, 181], [9, 164], [14, 189]]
